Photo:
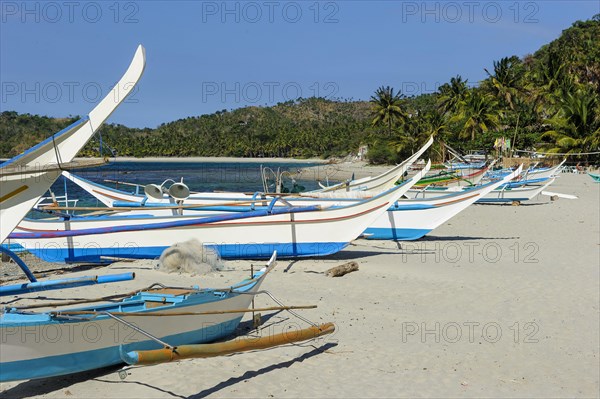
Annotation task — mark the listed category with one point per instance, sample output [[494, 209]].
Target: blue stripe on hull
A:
[[52, 366], [14, 247], [226, 251], [380, 233]]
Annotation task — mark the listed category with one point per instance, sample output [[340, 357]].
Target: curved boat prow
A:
[[26, 177], [379, 183]]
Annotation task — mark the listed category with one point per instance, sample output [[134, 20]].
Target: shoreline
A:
[[320, 170], [212, 160]]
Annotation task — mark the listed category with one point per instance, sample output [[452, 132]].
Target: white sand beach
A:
[[501, 301]]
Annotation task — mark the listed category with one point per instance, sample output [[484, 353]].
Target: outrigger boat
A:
[[531, 174], [412, 219], [455, 178], [162, 324], [463, 166], [404, 220], [293, 231], [172, 201], [503, 194], [523, 183], [543, 173]]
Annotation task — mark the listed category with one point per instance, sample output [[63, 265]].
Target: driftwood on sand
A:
[[341, 270]]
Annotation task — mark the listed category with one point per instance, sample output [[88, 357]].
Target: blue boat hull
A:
[[373, 233], [226, 251], [53, 366]]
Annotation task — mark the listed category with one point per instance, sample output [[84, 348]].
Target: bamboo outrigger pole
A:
[[224, 348]]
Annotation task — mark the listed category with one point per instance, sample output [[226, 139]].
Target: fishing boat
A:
[[501, 194], [523, 183], [292, 231], [532, 173], [543, 173], [595, 177], [360, 188], [464, 165], [476, 160], [234, 202], [172, 321], [517, 195], [412, 219], [455, 178], [24, 179], [152, 195], [28, 356]]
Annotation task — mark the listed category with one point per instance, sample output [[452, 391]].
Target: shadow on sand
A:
[[354, 255], [251, 374], [458, 238], [44, 386], [510, 204]]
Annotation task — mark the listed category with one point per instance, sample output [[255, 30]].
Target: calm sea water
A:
[[198, 176]]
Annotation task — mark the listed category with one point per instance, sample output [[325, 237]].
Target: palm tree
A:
[[387, 108], [406, 138], [435, 123], [452, 94], [507, 85], [478, 113], [576, 125], [506, 81]]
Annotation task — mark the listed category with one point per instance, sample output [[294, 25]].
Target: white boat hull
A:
[[296, 234], [520, 194], [412, 219]]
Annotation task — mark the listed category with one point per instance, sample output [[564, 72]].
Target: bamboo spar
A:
[[224, 348], [166, 314]]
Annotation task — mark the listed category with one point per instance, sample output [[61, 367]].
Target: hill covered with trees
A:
[[547, 101]]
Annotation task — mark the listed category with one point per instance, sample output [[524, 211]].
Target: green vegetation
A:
[[548, 101]]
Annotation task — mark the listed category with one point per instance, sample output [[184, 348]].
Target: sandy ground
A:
[[501, 301]]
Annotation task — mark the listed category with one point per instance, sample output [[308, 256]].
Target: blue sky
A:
[[58, 57]]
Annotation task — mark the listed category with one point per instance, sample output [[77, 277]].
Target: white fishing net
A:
[[190, 257]]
